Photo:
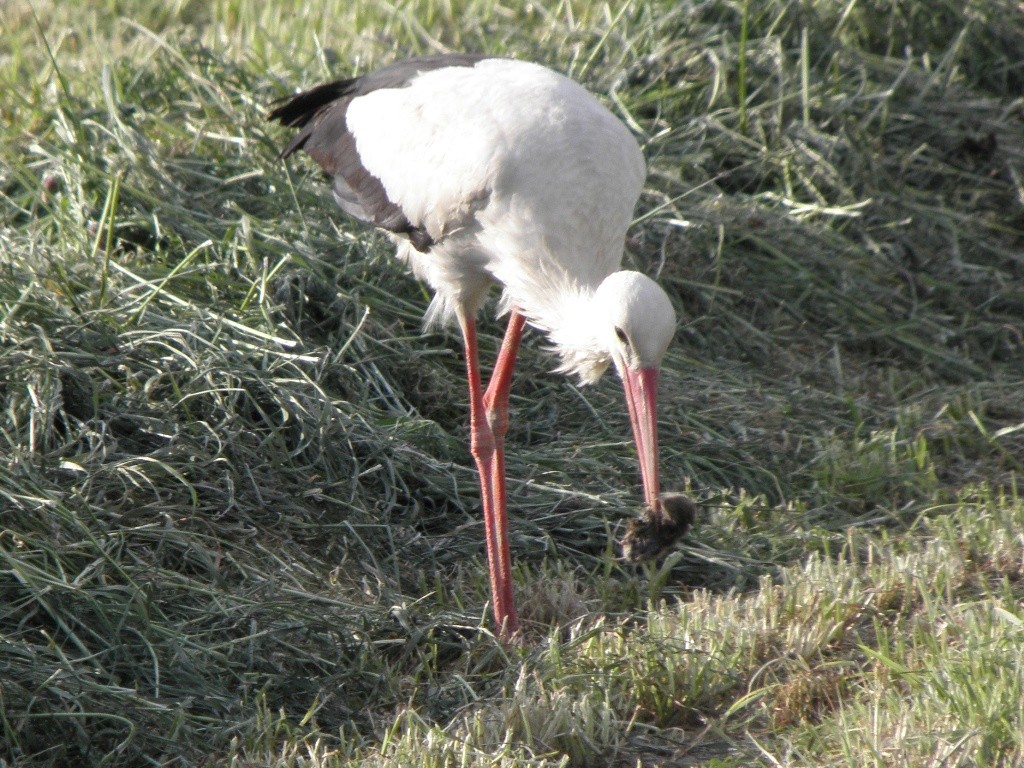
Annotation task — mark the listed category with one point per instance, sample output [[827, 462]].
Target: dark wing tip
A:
[[296, 111]]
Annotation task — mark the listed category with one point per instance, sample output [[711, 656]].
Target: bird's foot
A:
[[658, 527]]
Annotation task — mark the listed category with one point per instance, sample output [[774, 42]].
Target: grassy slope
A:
[[236, 515]]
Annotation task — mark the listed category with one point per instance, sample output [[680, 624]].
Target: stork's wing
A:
[[321, 114]]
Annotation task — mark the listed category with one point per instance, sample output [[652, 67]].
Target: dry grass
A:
[[238, 522]]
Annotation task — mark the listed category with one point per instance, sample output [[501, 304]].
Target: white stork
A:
[[493, 171]]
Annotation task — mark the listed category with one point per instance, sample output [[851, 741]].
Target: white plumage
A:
[[493, 171], [534, 167]]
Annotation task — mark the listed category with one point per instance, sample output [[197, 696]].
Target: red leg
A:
[[490, 465], [496, 396], [496, 404]]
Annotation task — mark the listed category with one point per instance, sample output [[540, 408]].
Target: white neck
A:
[[571, 319]]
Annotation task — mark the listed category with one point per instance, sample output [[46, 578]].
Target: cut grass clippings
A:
[[239, 523]]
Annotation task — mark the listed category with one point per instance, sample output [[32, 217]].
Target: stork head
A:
[[640, 324]]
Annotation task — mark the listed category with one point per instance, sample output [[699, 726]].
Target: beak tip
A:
[[658, 528], [641, 385]]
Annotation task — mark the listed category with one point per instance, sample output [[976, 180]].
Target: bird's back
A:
[[514, 171], [506, 170]]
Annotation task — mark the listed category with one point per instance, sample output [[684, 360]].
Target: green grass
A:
[[238, 519]]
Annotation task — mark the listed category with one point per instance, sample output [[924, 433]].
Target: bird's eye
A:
[[622, 336]]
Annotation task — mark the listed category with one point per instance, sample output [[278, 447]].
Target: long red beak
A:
[[642, 398]]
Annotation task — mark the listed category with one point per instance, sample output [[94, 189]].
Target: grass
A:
[[238, 521]]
